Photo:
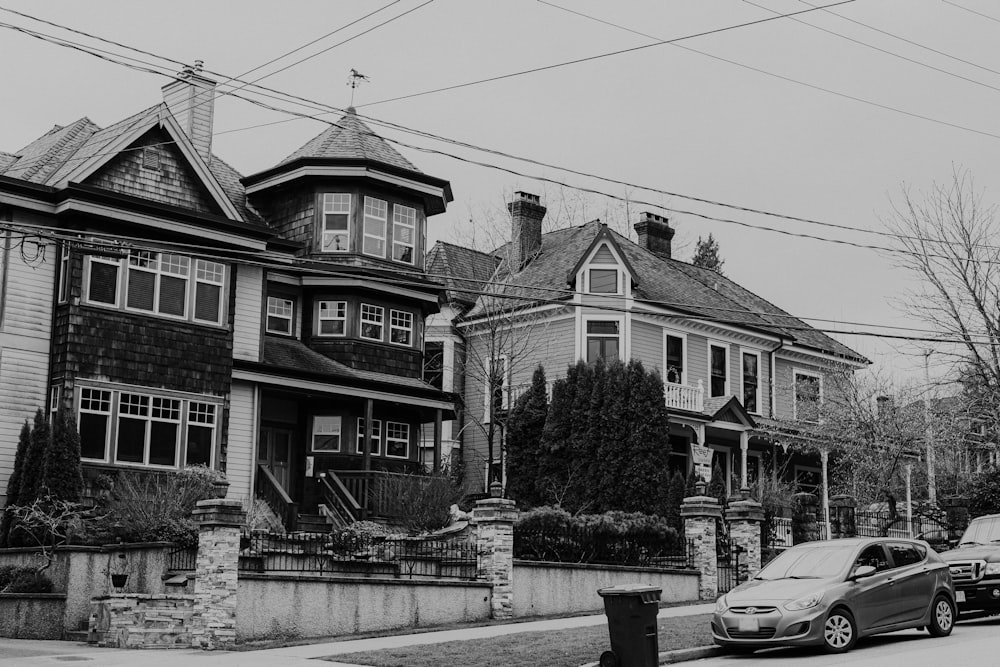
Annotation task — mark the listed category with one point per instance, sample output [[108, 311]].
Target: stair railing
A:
[[270, 490], [339, 501]]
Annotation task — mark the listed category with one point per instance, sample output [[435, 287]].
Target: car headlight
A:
[[806, 602], [992, 569], [721, 605]]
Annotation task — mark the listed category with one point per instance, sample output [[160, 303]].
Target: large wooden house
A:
[[265, 326]]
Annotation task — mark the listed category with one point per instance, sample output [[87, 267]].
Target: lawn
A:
[[557, 648]]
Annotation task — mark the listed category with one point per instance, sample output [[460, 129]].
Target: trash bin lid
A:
[[631, 589]]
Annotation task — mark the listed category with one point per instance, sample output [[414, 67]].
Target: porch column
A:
[[744, 446], [366, 457], [437, 440], [824, 457]]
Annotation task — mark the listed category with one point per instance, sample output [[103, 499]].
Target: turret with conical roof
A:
[[348, 193]]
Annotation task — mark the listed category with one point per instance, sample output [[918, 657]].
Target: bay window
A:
[[404, 224], [332, 318], [374, 227], [372, 318], [603, 340], [400, 327], [336, 223]]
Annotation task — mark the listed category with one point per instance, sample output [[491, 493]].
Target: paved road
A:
[[971, 643]]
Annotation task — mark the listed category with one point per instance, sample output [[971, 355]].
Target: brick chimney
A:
[[526, 213], [191, 100], [655, 234]]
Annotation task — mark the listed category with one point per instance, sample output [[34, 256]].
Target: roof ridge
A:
[[73, 131]]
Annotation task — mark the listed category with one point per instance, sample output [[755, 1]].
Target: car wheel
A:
[[942, 617], [839, 631]]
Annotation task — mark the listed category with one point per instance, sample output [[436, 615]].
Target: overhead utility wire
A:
[[971, 11], [63, 235], [402, 128], [599, 56], [561, 183], [878, 48]]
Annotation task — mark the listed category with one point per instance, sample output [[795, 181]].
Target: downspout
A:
[[774, 367]]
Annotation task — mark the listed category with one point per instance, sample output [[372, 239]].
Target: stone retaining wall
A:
[[142, 621]]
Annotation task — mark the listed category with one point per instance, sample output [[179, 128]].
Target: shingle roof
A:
[[668, 282], [59, 152], [293, 355], [349, 138], [463, 270]]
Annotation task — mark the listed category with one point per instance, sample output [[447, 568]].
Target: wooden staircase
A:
[[313, 523]]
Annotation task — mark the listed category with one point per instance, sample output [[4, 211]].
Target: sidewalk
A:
[[30, 652]]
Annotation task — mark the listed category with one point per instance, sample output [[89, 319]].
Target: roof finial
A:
[[354, 80]]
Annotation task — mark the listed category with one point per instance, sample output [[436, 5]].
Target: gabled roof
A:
[[670, 283], [604, 235], [351, 139], [69, 153], [728, 408], [463, 271]]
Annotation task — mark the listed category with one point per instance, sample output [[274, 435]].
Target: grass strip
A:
[[571, 647]]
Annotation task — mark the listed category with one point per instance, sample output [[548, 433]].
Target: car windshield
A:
[[815, 562], [982, 531]]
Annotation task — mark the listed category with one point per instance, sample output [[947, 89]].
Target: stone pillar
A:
[[216, 570], [493, 522], [700, 514], [744, 518], [842, 517], [805, 527]]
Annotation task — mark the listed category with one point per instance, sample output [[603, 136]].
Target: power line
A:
[[599, 56], [971, 11]]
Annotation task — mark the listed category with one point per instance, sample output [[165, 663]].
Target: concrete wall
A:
[[286, 607], [560, 588], [81, 573], [31, 615]]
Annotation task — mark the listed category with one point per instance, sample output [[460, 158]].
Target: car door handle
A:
[[891, 582]]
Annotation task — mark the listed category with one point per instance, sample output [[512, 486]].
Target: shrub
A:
[[23, 579], [984, 492], [422, 502]]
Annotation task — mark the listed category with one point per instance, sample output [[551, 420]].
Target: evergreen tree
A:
[[717, 485], [34, 461], [62, 475], [706, 254], [675, 498], [14, 481], [554, 459], [524, 441]]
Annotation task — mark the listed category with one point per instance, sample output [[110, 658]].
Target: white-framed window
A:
[[375, 444], [604, 281], [326, 433], [64, 273], [279, 315], [750, 377], [162, 284], [400, 327], [404, 225], [603, 340], [674, 357], [336, 225], [496, 386], [55, 398], [807, 387], [133, 427], [332, 318], [718, 369], [372, 321], [397, 440], [374, 227]]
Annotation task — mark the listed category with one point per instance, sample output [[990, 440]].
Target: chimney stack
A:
[[526, 213], [655, 234], [191, 100]]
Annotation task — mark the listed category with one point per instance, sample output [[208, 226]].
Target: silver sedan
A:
[[831, 593]]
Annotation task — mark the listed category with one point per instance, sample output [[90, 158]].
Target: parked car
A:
[[975, 567], [940, 539], [831, 593]]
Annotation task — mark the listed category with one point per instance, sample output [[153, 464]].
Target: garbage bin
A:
[[631, 610]]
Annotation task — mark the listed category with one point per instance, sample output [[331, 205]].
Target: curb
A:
[[680, 655]]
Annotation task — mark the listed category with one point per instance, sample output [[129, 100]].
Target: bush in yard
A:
[[14, 482], [62, 477], [983, 491], [524, 439], [422, 502], [34, 460], [27, 580]]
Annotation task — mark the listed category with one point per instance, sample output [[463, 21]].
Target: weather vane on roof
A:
[[355, 79]]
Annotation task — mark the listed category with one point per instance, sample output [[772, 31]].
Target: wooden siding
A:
[[242, 441], [292, 214], [23, 389], [784, 384], [647, 345], [175, 183], [697, 361], [248, 311], [29, 290]]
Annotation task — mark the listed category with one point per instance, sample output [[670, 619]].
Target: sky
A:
[[825, 115]]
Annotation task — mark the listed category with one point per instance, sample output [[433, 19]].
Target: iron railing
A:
[[588, 546], [182, 559]]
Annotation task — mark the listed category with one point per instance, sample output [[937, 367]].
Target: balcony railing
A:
[[683, 397], [515, 391]]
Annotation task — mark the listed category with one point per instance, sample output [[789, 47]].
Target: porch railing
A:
[[270, 490], [515, 391], [683, 397], [380, 489], [340, 503]]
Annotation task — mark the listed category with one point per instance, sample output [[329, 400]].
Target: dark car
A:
[[830, 593], [975, 567]]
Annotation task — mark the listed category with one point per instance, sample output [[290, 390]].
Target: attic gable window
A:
[[336, 222]]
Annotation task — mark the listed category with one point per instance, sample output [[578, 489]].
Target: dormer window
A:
[[604, 275], [404, 224], [374, 227], [336, 222], [604, 281], [279, 315]]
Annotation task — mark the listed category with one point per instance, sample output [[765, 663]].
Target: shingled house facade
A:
[[265, 326], [739, 373]]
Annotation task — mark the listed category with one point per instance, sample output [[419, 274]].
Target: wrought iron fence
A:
[[588, 546], [329, 553], [182, 559]]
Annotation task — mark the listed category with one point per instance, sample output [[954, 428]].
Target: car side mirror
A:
[[863, 571]]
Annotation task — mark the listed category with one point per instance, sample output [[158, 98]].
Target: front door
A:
[[274, 452]]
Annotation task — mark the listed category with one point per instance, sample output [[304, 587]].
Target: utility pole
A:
[[929, 435]]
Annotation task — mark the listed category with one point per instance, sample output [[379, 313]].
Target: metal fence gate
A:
[[731, 567]]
